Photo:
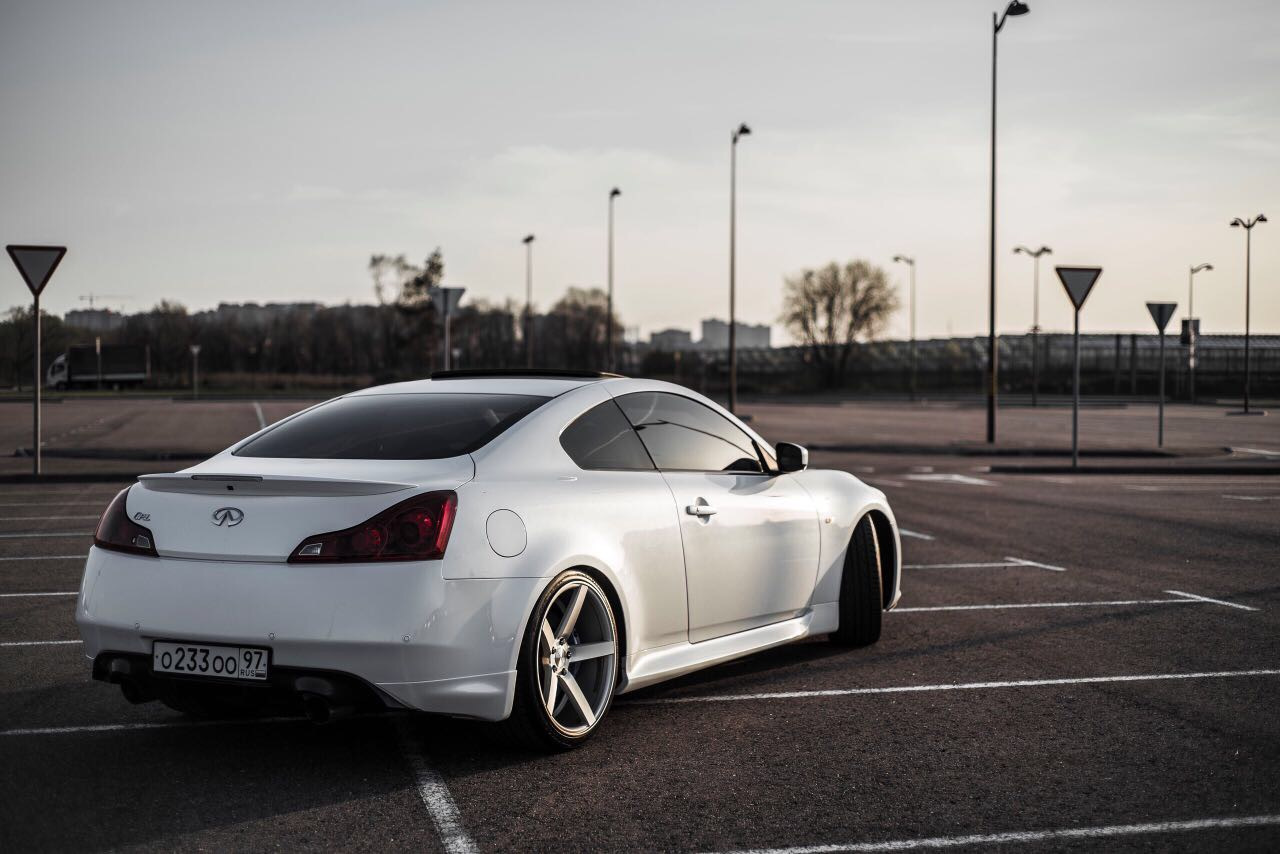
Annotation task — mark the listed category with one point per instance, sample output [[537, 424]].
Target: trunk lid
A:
[[257, 509]]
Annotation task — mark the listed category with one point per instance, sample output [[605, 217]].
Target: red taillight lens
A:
[[417, 529], [116, 531]]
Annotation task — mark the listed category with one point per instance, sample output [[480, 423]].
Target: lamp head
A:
[[1261, 218], [614, 193], [528, 239], [1017, 8], [1045, 250], [1236, 223], [903, 259], [742, 130]]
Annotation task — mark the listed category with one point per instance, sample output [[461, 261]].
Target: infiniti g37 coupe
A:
[[516, 547]]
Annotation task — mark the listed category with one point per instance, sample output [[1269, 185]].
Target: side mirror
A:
[[792, 457]]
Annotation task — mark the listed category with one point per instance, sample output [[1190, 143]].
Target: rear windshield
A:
[[394, 427]]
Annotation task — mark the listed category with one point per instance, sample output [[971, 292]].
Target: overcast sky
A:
[[262, 151]]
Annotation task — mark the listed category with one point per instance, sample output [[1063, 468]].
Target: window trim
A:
[[765, 471], [653, 469]]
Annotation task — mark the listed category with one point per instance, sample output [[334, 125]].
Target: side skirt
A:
[[667, 662]]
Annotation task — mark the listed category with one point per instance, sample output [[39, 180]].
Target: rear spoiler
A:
[[244, 484]]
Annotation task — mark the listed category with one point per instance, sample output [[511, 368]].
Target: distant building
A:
[[669, 340], [252, 314], [94, 319], [715, 335]]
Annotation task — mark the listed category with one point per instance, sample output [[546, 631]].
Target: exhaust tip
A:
[[132, 692], [317, 709]]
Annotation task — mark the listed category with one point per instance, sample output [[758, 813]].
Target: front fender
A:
[[842, 501]]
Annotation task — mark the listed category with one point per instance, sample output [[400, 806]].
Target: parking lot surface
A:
[[1077, 661]]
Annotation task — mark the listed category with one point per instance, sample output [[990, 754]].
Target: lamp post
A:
[[1035, 318], [528, 300], [613, 194], [911, 262], [741, 131], [1014, 9], [1192, 331], [1247, 225]]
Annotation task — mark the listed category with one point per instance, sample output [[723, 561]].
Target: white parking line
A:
[[1187, 599], [39, 643], [919, 536], [33, 534], [1252, 497], [957, 686], [965, 479], [30, 518], [44, 557], [1023, 836], [1207, 599], [1035, 563], [957, 565], [257, 410], [18, 595], [181, 724], [435, 794], [1007, 562], [1259, 451]]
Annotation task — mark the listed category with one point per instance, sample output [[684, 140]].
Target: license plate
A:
[[202, 659]]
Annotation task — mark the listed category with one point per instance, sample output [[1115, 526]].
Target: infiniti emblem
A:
[[228, 516]]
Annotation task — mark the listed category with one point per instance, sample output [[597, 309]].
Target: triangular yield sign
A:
[[1161, 312], [36, 264], [1078, 281]]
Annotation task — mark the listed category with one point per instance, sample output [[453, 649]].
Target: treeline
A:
[[349, 343]]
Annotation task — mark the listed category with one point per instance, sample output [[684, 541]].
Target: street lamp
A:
[[1247, 225], [528, 300], [1192, 331], [1013, 9], [911, 262], [613, 194], [741, 131], [1035, 318]]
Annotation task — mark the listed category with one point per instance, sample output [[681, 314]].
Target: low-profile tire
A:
[[861, 589], [568, 666]]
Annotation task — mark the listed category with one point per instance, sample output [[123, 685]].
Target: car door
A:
[[750, 536]]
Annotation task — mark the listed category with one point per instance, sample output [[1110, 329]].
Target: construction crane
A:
[[89, 298]]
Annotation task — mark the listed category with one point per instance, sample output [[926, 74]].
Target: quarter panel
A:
[[622, 524]]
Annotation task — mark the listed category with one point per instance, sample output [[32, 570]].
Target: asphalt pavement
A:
[[1077, 662]]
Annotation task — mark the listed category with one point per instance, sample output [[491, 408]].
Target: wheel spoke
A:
[[548, 637], [552, 682], [571, 613], [587, 651], [579, 700]]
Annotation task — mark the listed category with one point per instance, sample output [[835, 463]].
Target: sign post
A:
[[36, 264], [1078, 281], [1160, 313], [446, 301], [195, 371]]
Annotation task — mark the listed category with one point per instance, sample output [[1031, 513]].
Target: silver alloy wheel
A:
[[577, 657]]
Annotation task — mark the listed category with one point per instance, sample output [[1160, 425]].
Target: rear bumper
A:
[[425, 642]]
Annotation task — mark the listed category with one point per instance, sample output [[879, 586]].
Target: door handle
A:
[[700, 510]]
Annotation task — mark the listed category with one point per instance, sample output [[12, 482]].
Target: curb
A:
[[1245, 469]]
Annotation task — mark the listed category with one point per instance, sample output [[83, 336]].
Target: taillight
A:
[[116, 531], [417, 529]]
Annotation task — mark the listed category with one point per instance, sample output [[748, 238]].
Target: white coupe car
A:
[[509, 546]]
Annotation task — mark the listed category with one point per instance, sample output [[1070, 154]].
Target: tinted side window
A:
[[601, 438], [681, 434], [393, 427]]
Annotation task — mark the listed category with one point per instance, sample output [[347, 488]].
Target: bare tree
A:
[[831, 309]]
